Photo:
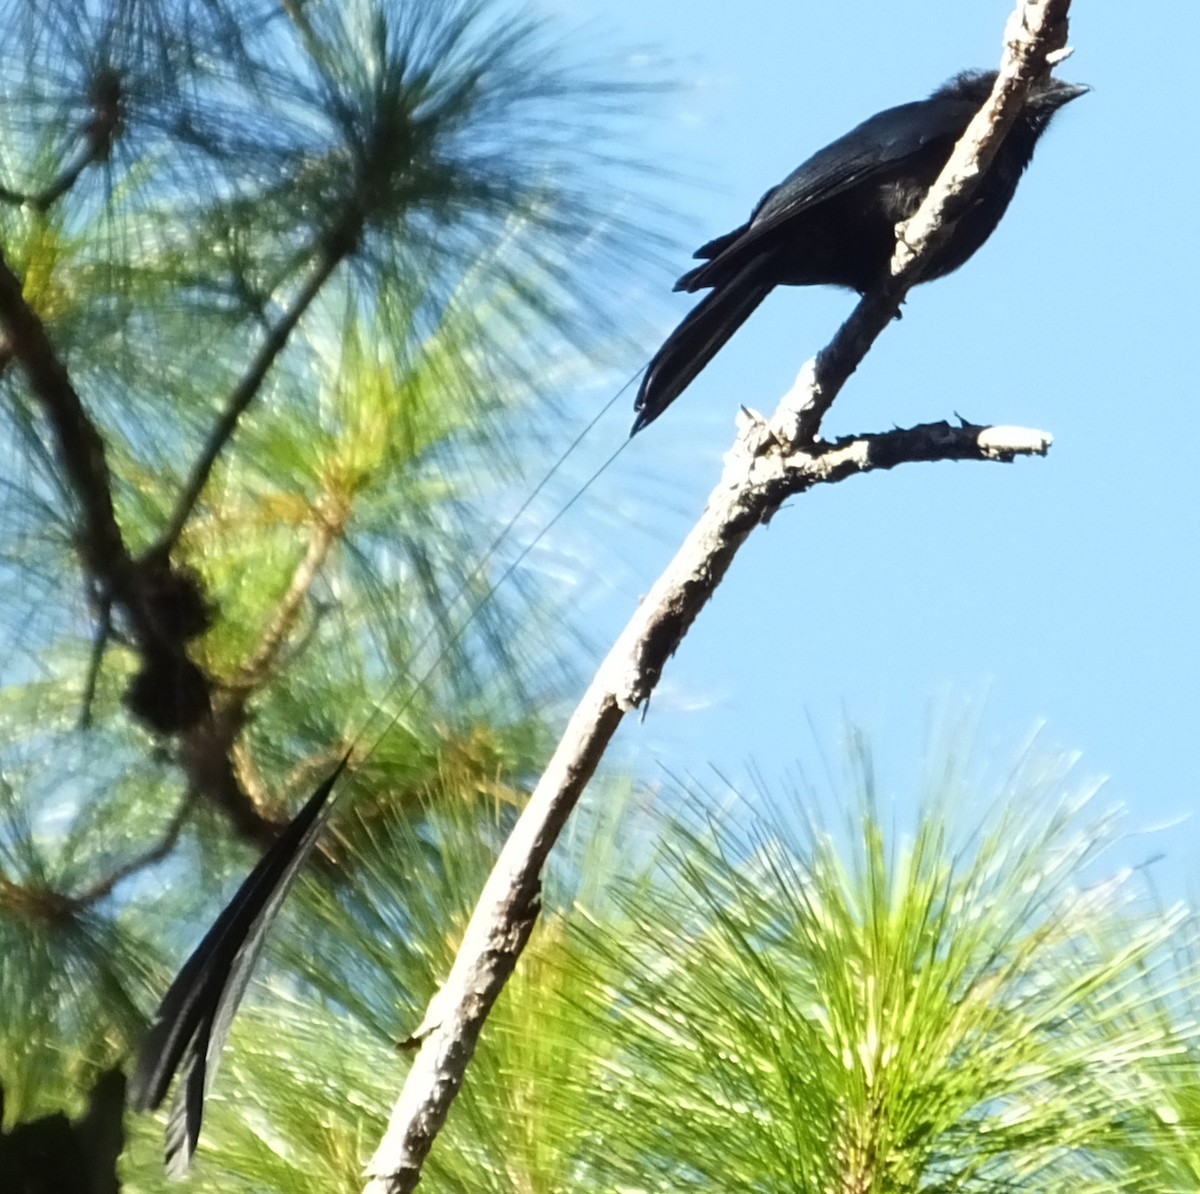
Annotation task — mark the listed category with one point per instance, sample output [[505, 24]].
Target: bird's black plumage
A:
[[194, 1017], [832, 221]]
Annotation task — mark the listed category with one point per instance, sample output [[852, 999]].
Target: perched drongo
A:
[[832, 221]]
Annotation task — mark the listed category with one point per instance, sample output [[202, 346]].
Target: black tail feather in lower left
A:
[[193, 1020]]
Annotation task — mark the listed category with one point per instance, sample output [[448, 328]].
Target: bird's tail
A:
[[697, 340]]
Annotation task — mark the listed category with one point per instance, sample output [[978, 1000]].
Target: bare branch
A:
[[767, 464], [759, 475], [1034, 40]]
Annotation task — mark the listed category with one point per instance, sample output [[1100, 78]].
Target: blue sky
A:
[[1063, 590]]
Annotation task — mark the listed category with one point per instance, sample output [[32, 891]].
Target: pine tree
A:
[[285, 292]]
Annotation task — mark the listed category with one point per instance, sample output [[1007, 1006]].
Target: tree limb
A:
[[80, 448], [136, 586], [333, 249], [767, 464]]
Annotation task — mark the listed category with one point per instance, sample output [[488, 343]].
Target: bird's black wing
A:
[[195, 1014], [870, 151]]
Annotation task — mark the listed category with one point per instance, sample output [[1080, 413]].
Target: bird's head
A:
[[1045, 97]]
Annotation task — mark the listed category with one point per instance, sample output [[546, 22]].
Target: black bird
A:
[[832, 221]]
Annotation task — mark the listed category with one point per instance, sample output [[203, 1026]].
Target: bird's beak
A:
[[1064, 93]]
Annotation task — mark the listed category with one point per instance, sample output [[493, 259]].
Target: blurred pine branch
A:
[[291, 290]]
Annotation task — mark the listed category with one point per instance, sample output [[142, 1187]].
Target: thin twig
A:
[[103, 633], [328, 526], [331, 255], [80, 448], [104, 887]]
